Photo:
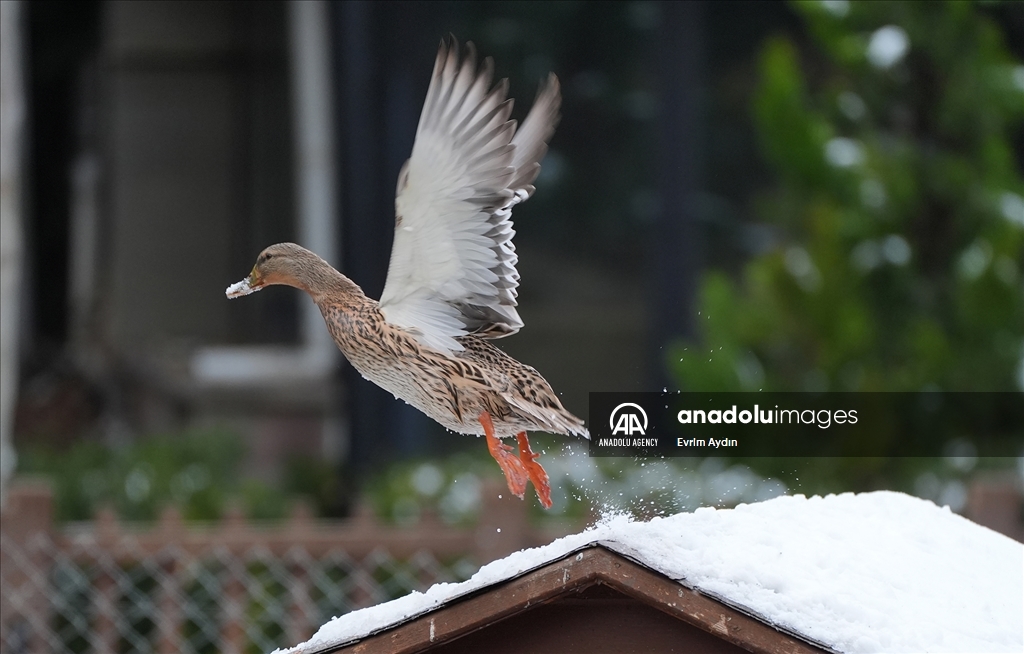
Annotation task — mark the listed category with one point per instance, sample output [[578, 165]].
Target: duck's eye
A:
[[265, 257]]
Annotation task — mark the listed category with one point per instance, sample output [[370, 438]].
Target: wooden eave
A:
[[563, 579]]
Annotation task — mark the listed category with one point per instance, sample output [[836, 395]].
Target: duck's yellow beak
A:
[[250, 284]]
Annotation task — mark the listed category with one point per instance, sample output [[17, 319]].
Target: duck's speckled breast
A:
[[392, 359]]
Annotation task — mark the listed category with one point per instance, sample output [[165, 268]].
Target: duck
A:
[[451, 285]]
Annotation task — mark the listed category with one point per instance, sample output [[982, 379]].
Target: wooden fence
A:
[[232, 587]]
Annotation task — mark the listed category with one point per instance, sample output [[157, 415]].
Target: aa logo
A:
[[629, 419]]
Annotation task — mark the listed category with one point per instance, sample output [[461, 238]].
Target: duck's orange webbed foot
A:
[[534, 470], [515, 472]]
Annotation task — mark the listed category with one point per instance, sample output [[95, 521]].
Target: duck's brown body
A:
[[452, 388]]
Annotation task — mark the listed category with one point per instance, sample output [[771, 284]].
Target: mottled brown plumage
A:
[[452, 280]]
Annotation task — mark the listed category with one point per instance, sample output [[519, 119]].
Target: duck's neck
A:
[[328, 286]]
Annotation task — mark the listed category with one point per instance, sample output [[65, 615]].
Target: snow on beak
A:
[[250, 284]]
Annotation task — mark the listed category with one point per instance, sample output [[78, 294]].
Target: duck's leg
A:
[[515, 472], [534, 470]]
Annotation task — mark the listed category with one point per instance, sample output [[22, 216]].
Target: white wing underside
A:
[[453, 264]]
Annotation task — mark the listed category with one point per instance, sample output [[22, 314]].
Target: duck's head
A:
[[284, 263]]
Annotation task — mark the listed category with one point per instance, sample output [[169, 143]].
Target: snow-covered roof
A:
[[871, 572]]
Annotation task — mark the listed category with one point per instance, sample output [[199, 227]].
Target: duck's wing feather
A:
[[453, 264]]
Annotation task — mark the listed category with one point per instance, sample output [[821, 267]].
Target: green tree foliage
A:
[[897, 215]]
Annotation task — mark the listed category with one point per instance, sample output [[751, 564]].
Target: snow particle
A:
[[896, 250], [838, 8], [1012, 206], [427, 480], [1018, 77], [887, 46], [238, 289], [800, 265], [851, 105], [975, 260], [842, 152]]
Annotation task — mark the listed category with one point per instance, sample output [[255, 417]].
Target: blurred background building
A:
[[725, 177]]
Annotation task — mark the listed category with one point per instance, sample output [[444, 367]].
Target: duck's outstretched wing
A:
[[453, 265]]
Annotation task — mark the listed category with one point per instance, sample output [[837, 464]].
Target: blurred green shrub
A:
[[199, 471], [896, 218]]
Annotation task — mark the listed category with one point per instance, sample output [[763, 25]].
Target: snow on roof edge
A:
[[448, 601], [613, 546]]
